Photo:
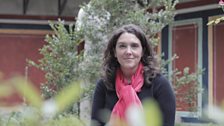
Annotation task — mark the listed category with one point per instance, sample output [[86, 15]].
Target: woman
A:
[[130, 76]]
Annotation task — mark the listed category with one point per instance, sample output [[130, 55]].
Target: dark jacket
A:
[[160, 90]]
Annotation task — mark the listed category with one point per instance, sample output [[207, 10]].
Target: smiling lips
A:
[[128, 58]]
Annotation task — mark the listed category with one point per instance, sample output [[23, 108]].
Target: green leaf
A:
[[217, 20], [67, 120], [68, 95], [5, 90], [210, 22], [28, 91], [153, 115]]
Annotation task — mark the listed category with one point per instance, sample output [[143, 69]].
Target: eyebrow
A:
[[120, 42]]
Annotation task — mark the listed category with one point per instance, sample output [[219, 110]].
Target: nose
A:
[[128, 50]]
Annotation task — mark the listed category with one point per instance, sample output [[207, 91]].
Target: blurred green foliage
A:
[[36, 111]]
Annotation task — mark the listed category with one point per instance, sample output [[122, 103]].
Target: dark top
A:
[[160, 90]]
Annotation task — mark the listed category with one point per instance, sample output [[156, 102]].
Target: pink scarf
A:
[[127, 92]]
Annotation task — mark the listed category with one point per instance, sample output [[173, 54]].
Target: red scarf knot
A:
[[127, 92]]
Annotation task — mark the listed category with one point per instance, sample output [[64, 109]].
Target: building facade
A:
[[198, 45]]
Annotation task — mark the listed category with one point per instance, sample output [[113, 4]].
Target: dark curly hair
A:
[[110, 63]]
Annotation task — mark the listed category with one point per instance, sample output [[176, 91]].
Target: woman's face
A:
[[128, 51]]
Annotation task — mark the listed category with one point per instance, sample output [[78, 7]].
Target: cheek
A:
[[118, 53], [140, 53]]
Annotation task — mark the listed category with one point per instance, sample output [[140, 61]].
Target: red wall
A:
[[185, 46], [15, 49], [218, 59]]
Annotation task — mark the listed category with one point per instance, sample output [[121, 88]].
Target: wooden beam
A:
[[25, 5], [61, 6], [35, 17], [195, 3]]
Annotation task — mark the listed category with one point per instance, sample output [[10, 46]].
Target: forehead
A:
[[128, 37]]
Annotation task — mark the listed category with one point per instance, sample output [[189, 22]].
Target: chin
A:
[[129, 67]]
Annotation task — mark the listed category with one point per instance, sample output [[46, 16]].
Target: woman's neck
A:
[[128, 73]]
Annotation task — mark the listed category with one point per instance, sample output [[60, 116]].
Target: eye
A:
[[135, 45], [122, 46]]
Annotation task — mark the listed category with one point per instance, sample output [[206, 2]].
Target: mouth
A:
[[128, 58]]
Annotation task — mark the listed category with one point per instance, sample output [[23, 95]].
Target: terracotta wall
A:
[[185, 46], [15, 49], [218, 63]]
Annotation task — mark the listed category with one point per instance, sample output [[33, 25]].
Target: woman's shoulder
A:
[[160, 80], [103, 84], [100, 83], [161, 85], [100, 87]]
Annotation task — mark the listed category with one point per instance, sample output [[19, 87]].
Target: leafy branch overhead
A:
[[220, 19]]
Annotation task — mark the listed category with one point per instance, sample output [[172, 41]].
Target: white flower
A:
[[49, 108], [135, 116], [215, 113]]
